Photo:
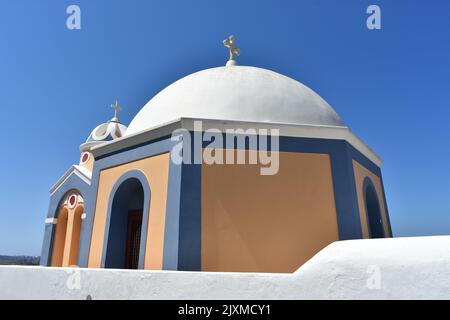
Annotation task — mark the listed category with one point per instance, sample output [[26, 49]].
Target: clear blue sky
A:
[[392, 86]]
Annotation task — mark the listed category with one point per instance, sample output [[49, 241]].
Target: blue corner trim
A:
[[189, 258], [172, 224], [47, 245], [388, 218], [349, 222], [190, 231]]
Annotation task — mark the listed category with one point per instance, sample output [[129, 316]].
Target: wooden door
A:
[[133, 239]]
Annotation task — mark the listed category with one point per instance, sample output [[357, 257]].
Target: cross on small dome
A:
[[116, 106]]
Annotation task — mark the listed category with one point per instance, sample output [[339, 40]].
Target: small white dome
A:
[[107, 131], [236, 93], [104, 132]]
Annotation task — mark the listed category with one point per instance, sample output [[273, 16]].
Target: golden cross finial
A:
[[229, 43], [116, 106]]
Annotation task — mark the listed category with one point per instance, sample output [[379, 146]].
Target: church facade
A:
[[130, 204]]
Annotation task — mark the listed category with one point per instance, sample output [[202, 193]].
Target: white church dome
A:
[[236, 93]]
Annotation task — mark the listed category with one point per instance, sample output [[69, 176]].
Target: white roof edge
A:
[[136, 138], [286, 129], [81, 172]]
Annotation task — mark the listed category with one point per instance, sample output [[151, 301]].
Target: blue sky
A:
[[391, 86]]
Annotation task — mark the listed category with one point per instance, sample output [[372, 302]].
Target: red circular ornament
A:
[[84, 158], [72, 200]]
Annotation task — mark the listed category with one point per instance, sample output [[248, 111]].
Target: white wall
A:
[[400, 268]]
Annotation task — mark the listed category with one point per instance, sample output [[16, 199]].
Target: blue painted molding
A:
[[347, 210], [369, 165], [363, 160], [190, 231], [47, 245], [172, 224], [164, 139], [386, 209], [140, 176]]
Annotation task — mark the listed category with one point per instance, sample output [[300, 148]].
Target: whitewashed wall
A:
[[400, 268]]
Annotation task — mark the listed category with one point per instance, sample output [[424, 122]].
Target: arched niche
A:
[[76, 233], [126, 226], [59, 239], [373, 211]]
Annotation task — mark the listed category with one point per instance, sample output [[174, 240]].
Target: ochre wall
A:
[[360, 174], [67, 236], [156, 170], [59, 238], [75, 235], [255, 223]]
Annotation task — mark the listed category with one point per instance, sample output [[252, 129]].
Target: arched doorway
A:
[[374, 220], [125, 226]]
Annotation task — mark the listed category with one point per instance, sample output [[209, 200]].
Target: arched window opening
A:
[[374, 220]]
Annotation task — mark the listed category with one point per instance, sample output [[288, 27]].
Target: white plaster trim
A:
[[136, 138], [84, 171], [71, 206], [290, 130], [51, 220], [80, 171], [398, 268]]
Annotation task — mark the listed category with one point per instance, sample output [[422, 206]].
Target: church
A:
[[130, 203]]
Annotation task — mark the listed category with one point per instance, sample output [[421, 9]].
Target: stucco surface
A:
[[156, 169], [256, 223], [404, 268], [239, 93]]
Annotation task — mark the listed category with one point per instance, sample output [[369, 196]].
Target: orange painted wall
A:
[[75, 235], [67, 236], [156, 170], [255, 223], [72, 236], [360, 174], [59, 238]]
